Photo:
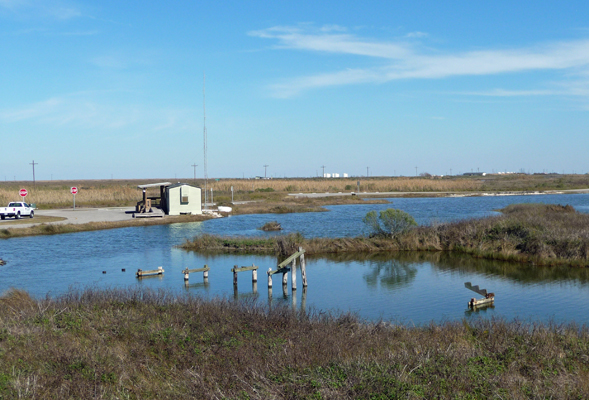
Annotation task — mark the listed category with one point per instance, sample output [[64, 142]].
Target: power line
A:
[[194, 166], [33, 164]]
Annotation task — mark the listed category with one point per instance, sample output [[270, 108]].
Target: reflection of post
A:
[[303, 269], [255, 287], [294, 301], [304, 299], [270, 297], [284, 291], [293, 275], [235, 293]]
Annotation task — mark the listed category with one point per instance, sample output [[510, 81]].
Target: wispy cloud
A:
[[95, 110], [408, 60], [56, 9]]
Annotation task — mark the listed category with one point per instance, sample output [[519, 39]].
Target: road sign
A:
[[23, 192], [74, 190]]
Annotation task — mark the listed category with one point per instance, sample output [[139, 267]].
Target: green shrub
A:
[[390, 222]]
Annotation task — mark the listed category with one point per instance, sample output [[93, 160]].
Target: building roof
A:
[[181, 184], [149, 185]]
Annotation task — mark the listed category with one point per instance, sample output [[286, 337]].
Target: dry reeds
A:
[[147, 344]]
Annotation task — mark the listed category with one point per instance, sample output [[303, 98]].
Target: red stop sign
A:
[[74, 190], [23, 192]]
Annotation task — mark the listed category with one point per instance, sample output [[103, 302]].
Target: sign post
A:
[[74, 190], [23, 193]]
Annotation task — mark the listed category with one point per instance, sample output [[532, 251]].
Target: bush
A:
[[391, 222]]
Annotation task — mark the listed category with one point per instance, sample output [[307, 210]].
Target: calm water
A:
[[412, 288]]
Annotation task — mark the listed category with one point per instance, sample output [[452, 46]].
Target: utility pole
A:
[[33, 164], [450, 171], [323, 166], [265, 169], [194, 166], [415, 171], [367, 173]]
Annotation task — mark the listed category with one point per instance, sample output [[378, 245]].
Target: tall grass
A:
[[146, 344], [530, 233]]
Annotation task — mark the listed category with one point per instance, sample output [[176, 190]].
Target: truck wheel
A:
[[17, 216], [3, 216], [32, 214]]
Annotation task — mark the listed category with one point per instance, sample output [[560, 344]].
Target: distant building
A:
[[182, 198], [475, 174]]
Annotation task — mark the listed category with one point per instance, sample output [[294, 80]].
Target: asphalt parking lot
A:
[[77, 216]]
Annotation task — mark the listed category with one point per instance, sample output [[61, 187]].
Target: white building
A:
[[182, 198]]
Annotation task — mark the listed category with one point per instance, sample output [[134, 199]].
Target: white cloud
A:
[[409, 61], [95, 110], [416, 35], [55, 9]]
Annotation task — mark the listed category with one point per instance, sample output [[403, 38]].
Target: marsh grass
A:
[[530, 233], [146, 344]]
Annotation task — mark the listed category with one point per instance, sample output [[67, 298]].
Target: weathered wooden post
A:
[[235, 276], [254, 275], [269, 279], [284, 278], [205, 273], [293, 274], [303, 268]]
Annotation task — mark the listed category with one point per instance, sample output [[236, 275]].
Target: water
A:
[[414, 288]]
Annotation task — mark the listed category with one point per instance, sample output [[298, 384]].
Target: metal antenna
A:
[[33, 164], [265, 166], [323, 166], [205, 136]]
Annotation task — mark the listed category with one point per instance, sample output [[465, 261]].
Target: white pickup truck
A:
[[17, 210]]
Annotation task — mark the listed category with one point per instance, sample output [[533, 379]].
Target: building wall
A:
[[184, 199]]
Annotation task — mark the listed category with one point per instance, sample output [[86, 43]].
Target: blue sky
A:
[[91, 90]]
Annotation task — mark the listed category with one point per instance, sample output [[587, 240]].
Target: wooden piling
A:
[[235, 275], [158, 271], [293, 275], [205, 272], [255, 276], [303, 267], [270, 280]]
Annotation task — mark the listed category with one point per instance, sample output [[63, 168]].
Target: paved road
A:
[[78, 216]]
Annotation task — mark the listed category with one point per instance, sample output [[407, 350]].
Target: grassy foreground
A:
[[133, 344], [532, 233]]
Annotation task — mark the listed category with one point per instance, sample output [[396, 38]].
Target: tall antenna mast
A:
[[205, 136]]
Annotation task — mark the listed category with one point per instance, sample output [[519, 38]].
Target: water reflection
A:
[[391, 274], [398, 268]]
